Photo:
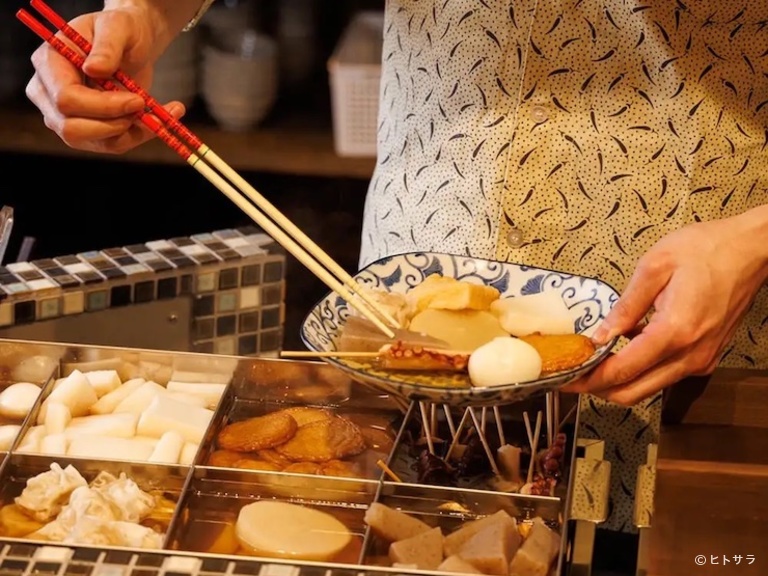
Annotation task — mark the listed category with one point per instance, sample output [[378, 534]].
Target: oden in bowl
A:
[[587, 300]]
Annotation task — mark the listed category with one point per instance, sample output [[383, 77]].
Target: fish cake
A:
[[304, 468], [274, 457], [560, 351], [258, 433], [340, 468], [224, 458], [306, 415], [324, 440], [253, 464]]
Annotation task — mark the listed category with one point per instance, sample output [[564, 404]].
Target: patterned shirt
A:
[[572, 135]]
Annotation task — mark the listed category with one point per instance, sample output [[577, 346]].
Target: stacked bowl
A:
[[176, 71], [239, 78]]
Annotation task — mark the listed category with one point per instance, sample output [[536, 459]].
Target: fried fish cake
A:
[[560, 351], [340, 468], [306, 415], [224, 458], [274, 457], [304, 468], [324, 440], [258, 433], [253, 464]]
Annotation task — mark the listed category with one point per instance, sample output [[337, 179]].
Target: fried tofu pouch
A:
[[444, 293]]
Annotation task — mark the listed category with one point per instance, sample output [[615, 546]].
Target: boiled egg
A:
[[504, 360]]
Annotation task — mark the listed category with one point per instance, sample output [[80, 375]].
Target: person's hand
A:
[[83, 115], [700, 280]]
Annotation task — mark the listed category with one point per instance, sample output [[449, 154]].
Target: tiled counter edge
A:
[[235, 276]]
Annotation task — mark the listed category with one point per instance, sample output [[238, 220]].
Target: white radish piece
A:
[[8, 435], [545, 313], [211, 392], [18, 399], [104, 381], [76, 393], [113, 425], [140, 399], [168, 449], [108, 402], [57, 418]]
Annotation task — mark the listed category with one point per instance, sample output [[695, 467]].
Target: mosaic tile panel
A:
[[236, 278], [27, 560]]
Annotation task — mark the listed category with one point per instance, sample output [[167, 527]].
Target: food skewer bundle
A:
[[477, 450]]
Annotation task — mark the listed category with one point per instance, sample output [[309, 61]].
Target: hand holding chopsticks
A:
[[182, 141]]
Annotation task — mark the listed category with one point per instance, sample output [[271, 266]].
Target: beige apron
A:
[[573, 135]]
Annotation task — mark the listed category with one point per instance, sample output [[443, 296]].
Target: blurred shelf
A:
[[291, 145]]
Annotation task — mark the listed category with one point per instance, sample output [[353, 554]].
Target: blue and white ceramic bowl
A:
[[589, 299]]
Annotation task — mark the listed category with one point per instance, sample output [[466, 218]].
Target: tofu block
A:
[[538, 551], [57, 418], [106, 448], [455, 540], [54, 445], [110, 401], [165, 413], [140, 399], [392, 525], [8, 435], [168, 449], [151, 442], [211, 392], [456, 564], [104, 381], [76, 393], [188, 453], [112, 425], [491, 549], [200, 377], [425, 550]]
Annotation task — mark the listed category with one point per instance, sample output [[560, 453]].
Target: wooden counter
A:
[[711, 496], [295, 144]]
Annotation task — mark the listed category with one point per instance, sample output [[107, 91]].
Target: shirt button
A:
[[515, 238], [539, 114]]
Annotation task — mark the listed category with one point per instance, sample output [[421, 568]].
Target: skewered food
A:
[[459, 326]]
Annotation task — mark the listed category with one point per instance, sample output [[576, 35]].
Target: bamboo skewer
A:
[[457, 436], [346, 287], [534, 447], [550, 417], [449, 419], [499, 426], [388, 471], [425, 426], [484, 443], [331, 354]]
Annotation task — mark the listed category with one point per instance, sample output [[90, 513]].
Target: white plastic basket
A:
[[355, 76]]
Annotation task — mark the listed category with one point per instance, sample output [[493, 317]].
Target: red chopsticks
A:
[[204, 160]]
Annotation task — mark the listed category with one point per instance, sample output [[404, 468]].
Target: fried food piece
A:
[[379, 440], [273, 457], [258, 433], [304, 468], [560, 351], [15, 524], [253, 464], [324, 440], [305, 415], [340, 468], [224, 458]]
